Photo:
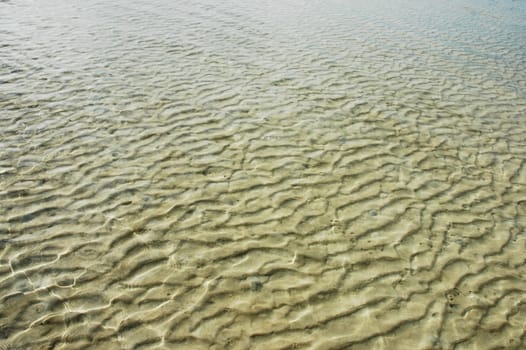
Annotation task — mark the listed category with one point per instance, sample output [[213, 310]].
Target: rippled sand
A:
[[262, 174]]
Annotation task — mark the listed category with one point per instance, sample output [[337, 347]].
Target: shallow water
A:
[[262, 174]]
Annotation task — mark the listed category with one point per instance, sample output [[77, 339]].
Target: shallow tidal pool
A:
[[337, 174]]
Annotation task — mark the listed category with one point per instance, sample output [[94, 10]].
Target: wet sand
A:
[[262, 175]]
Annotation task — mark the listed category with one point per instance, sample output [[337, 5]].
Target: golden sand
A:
[[262, 175]]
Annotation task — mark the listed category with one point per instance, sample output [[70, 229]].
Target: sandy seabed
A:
[[262, 174]]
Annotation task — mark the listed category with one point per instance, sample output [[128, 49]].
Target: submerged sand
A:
[[262, 175]]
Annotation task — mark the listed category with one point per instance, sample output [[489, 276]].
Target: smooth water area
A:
[[337, 174]]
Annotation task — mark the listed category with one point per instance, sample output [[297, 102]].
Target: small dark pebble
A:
[[5, 332], [27, 217], [373, 213], [256, 286], [4, 243], [66, 282]]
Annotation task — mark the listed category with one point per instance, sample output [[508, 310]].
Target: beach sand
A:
[[262, 175]]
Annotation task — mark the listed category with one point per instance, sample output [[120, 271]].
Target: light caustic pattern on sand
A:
[[262, 174]]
